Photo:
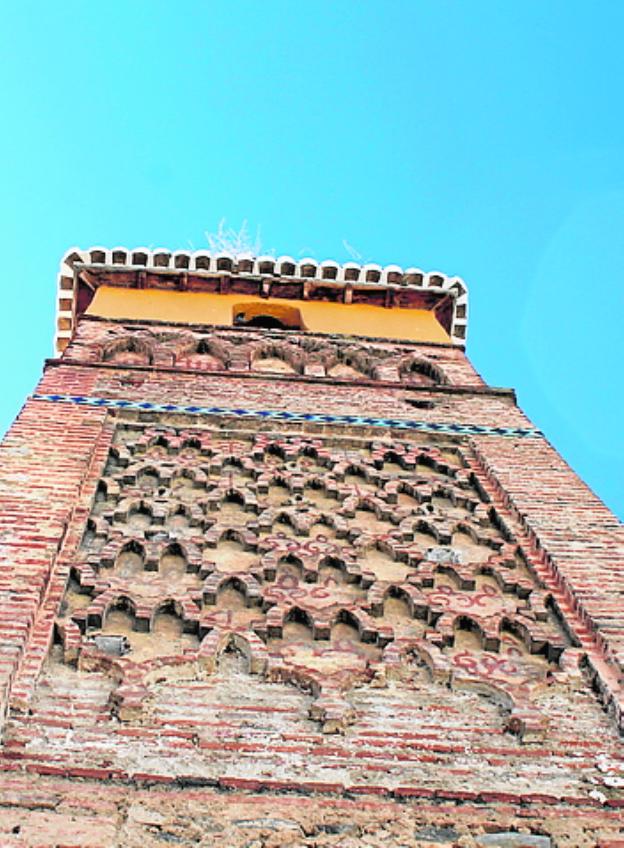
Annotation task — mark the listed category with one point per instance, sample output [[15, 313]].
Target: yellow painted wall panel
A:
[[318, 316]]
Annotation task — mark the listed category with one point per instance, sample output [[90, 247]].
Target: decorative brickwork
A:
[[322, 564], [273, 352], [264, 588]]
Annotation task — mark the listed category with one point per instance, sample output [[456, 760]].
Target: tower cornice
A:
[[82, 272]]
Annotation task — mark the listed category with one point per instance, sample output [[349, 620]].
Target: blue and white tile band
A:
[[313, 417]]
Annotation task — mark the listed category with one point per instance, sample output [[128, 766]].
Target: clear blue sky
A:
[[480, 138]]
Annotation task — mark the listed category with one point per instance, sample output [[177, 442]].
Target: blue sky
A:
[[481, 138]]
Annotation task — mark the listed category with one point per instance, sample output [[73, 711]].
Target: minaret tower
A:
[[279, 568]]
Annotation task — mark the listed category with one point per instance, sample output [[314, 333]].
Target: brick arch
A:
[[221, 532], [421, 524], [506, 580], [349, 570], [367, 502], [245, 584], [320, 482], [297, 615], [193, 474], [349, 363], [138, 506], [468, 529], [537, 637], [145, 470], [351, 617], [175, 548], [432, 459], [128, 350], [285, 515], [178, 606], [281, 351], [290, 559], [132, 546], [408, 593], [229, 493], [356, 468], [420, 370], [289, 612], [332, 520], [391, 455], [488, 637], [157, 439], [274, 448], [121, 601], [381, 591], [248, 644], [202, 354], [168, 606], [461, 576], [192, 442], [220, 461], [179, 508]]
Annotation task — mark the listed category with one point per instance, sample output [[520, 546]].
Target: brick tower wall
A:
[[266, 588]]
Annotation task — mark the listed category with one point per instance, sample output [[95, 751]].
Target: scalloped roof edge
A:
[[246, 264]]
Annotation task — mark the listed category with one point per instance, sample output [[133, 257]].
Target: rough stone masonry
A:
[[263, 586]]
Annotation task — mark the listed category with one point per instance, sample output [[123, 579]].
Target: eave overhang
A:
[[82, 272]]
